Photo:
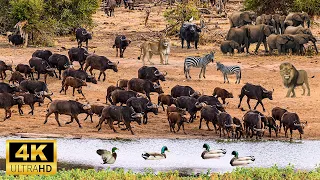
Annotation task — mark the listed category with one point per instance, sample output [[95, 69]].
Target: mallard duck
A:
[[241, 161], [154, 155], [107, 156], [208, 154]]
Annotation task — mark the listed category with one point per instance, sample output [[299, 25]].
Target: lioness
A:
[[292, 77], [161, 47]]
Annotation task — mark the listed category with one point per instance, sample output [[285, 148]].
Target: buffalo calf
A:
[[75, 83], [176, 118], [222, 93]]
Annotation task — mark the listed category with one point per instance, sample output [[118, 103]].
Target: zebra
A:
[[198, 62], [229, 70]]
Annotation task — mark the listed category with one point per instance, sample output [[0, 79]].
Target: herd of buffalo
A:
[[135, 94]]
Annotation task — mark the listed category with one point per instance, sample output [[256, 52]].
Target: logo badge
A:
[[31, 157]]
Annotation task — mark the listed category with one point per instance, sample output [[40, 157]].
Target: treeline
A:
[[47, 18], [312, 7]]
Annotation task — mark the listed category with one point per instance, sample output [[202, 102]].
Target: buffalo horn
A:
[[259, 130], [157, 73], [156, 86], [295, 124], [84, 33], [228, 125]]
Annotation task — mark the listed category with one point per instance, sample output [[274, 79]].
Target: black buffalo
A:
[[190, 33], [30, 99], [119, 113], [82, 36], [35, 87], [59, 61], [178, 91], [292, 121], [80, 74], [252, 121], [143, 86], [43, 54], [121, 96], [7, 88], [254, 92], [121, 43], [190, 104], [142, 105], [209, 114], [8, 100], [15, 39], [100, 63], [78, 54], [67, 107], [152, 74], [41, 66], [211, 100], [26, 70], [3, 68]]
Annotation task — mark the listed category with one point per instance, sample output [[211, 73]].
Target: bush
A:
[[47, 18], [181, 13], [312, 7]]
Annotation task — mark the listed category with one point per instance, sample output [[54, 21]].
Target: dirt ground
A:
[[256, 69]]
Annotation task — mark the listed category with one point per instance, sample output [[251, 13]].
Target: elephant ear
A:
[[282, 39], [245, 17], [302, 38], [297, 17], [266, 30]]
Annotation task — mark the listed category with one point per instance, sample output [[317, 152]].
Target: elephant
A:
[[280, 42], [265, 19], [297, 30], [229, 46], [258, 34], [238, 19], [279, 23], [302, 39], [296, 19], [241, 36]]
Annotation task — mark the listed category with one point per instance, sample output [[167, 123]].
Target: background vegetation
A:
[[312, 7], [273, 173], [47, 18]]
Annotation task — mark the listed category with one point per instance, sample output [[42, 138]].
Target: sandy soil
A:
[[256, 69]]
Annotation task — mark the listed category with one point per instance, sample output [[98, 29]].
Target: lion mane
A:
[[289, 74]]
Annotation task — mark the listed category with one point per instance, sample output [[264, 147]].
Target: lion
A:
[[292, 77], [160, 47]]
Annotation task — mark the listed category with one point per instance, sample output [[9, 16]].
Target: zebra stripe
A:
[[229, 70], [197, 62]]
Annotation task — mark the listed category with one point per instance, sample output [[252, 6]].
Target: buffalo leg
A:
[[90, 70], [110, 122], [241, 97], [65, 90], [55, 74], [104, 76], [76, 117], [248, 102], [38, 76], [285, 132], [100, 123], [200, 122], [196, 44], [32, 109], [57, 118], [45, 78], [59, 74], [270, 131], [117, 51], [170, 125], [215, 127], [87, 44], [207, 122], [188, 45], [20, 110], [70, 120], [290, 133], [182, 42], [99, 76], [73, 88], [145, 118]]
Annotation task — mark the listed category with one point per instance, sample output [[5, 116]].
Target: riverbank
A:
[[273, 173]]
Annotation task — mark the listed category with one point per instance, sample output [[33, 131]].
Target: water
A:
[[184, 155]]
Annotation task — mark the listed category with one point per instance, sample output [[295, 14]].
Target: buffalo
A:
[[100, 63], [176, 118], [42, 67], [252, 122], [239, 128], [189, 32], [209, 114], [78, 54], [75, 83], [143, 86], [254, 92], [35, 87], [119, 113], [271, 123], [292, 121], [122, 83], [3, 68], [82, 36], [30, 99], [15, 39], [164, 99], [80, 74], [121, 43], [142, 105], [151, 73], [16, 77], [225, 123], [7, 88], [178, 91], [190, 104], [277, 114], [95, 109], [211, 100], [26, 70], [43, 54], [59, 61], [7, 101], [222, 93], [121, 96], [110, 89], [67, 107]]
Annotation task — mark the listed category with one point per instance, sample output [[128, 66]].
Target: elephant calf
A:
[[281, 42], [229, 46]]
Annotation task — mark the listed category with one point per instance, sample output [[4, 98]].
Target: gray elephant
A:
[[279, 23], [229, 46], [241, 36], [265, 19], [297, 30], [281, 42], [258, 34], [296, 19], [238, 19], [302, 39]]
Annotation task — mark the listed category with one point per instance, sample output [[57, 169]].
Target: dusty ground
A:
[[256, 69]]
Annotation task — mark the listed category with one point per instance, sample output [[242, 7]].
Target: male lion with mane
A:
[[292, 77], [151, 47]]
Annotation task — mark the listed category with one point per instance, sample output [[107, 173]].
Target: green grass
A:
[[272, 173]]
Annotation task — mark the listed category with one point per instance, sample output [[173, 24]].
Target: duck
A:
[[241, 161], [107, 156], [209, 154], [156, 156]]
